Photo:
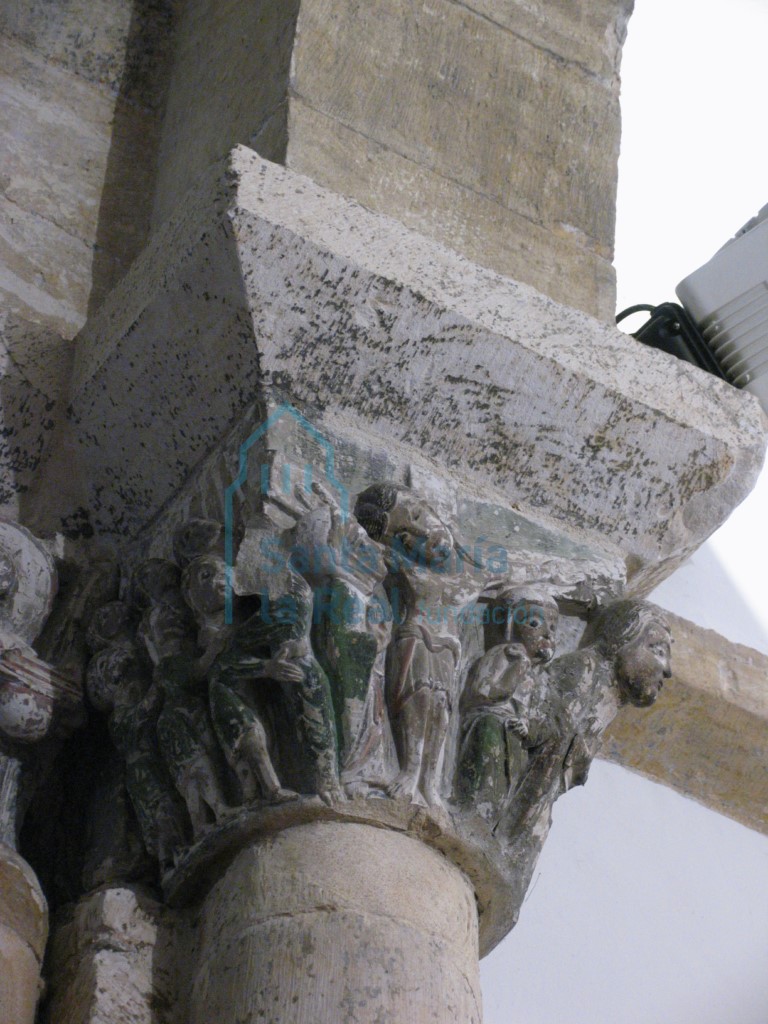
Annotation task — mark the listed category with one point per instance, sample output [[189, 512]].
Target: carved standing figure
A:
[[120, 686], [502, 703], [236, 720], [187, 741], [624, 659], [272, 646], [351, 630], [429, 585]]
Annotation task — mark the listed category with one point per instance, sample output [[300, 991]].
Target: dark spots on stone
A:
[[77, 525]]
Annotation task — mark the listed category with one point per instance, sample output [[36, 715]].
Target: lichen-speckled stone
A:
[[267, 281], [491, 127], [34, 376]]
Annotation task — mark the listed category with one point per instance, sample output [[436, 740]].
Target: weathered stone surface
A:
[[35, 364], [708, 737], [457, 110], [283, 287], [86, 38], [83, 89], [449, 116], [229, 85], [23, 934], [114, 959], [330, 922], [588, 35], [471, 222]]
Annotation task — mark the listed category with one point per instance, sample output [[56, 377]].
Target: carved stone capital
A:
[[324, 660]]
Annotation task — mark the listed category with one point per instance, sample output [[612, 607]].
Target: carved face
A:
[[643, 664], [534, 625], [110, 623], [419, 529], [205, 584]]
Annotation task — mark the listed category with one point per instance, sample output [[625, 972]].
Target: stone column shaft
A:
[[23, 933], [332, 922]]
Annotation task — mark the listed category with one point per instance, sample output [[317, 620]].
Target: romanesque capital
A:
[[316, 662]]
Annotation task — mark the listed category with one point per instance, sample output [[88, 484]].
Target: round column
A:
[[23, 933], [330, 922]]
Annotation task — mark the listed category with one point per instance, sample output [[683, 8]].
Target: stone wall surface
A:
[[82, 93], [472, 123], [475, 125], [229, 84]]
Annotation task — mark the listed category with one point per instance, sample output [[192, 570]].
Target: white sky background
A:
[[647, 908], [693, 170]]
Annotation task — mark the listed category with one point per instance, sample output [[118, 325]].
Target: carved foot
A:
[[404, 787], [331, 795], [434, 800], [360, 790]]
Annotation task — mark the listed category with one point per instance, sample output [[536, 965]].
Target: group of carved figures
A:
[[344, 672], [343, 675]]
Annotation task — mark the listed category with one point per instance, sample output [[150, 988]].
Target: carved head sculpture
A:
[[110, 624], [153, 581], [635, 636], [197, 537], [114, 676], [203, 585], [532, 618], [395, 514], [109, 636]]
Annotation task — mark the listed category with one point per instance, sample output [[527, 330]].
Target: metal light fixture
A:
[[722, 325]]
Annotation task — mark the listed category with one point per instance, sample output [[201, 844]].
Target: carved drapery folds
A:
[[376, 660]]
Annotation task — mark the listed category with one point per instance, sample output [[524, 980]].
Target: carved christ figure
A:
[[428, 585]]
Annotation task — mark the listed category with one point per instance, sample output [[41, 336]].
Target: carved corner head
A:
[[635, 637]]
